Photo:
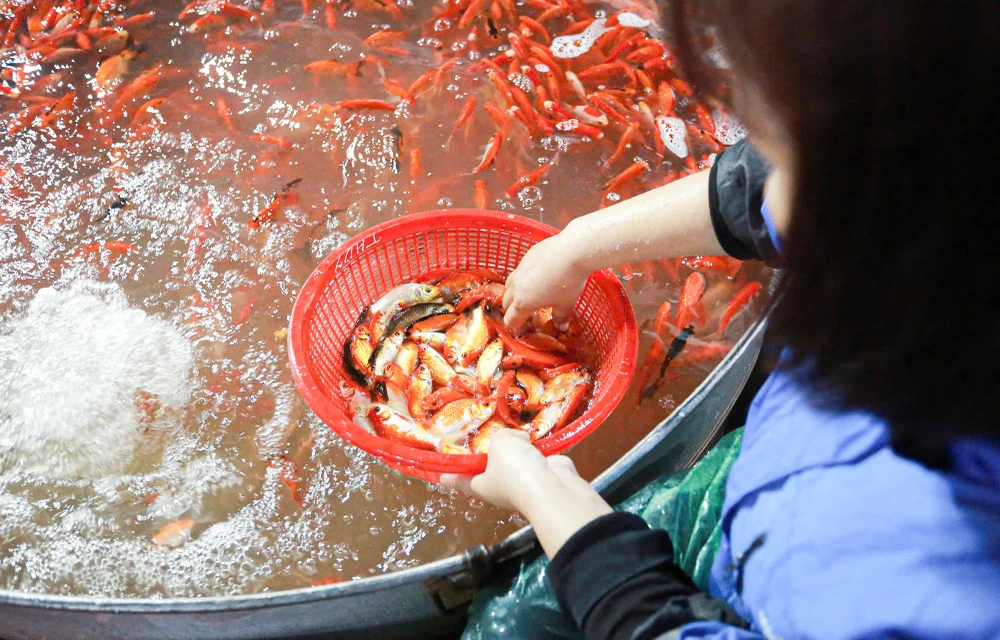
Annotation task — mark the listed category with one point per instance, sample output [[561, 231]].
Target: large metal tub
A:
[[425, 602]]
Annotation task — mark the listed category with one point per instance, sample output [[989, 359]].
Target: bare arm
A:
[[670, 221]]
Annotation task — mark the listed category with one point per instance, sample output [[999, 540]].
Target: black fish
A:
[[674, 350], [120, 203], [379, 392], [397, 145], [494, 32], [412, 315]]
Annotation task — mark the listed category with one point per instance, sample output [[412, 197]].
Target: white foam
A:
[[573, 46], [672, 132], [70, 371], [629, 19], [728, 130]]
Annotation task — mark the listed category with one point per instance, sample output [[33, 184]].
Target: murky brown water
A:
[[149, 381]]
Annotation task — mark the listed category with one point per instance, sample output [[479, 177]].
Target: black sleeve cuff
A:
[[605, 553], [735, 196]]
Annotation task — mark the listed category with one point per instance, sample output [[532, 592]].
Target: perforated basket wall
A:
[[405, 250]]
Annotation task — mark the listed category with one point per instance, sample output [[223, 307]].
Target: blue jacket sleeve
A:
[[714, 631]]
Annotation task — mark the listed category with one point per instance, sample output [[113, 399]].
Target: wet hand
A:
[[552, 273], [515, 472], [547, 491]]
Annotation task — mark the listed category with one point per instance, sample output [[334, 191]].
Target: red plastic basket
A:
[[404, 250]]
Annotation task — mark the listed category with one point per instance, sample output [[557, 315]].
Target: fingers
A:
[[456, 481], [516, 317], [560, 318], [511, 279], [505, 438], [508, 294]]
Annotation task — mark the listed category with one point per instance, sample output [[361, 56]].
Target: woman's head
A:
[[883, 116]]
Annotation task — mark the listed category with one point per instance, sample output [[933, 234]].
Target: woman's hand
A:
[[552, 273], [669, 221], [548, 491], [513, 470]]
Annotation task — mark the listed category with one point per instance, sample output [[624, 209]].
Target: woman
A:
[[866, 497]]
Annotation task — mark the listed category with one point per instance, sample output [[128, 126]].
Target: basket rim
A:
[[472, 463]]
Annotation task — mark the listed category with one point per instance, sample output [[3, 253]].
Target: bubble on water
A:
[[14, 508], [557, 143], [728, 130], [529, 196], [575, 45], [521, 81], [11, 248], [629, 19], [71, 370], [667, 403], [672, 132], [324, 245]]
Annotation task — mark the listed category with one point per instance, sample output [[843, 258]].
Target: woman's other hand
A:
[[548, 491], [513, 470]]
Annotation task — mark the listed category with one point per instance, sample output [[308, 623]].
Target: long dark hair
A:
[[891, 300]]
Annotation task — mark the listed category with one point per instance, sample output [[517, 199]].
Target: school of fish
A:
[[433, 367]]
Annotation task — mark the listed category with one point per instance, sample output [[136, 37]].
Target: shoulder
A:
[[884, 544], [860, 541]]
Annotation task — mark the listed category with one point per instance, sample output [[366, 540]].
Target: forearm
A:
[[668, 222], [558, 505]]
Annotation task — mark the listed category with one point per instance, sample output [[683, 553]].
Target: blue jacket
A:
[[852, 540]]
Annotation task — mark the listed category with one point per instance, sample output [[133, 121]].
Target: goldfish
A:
[[357, 355], [455, 339], [421, 386], [403, 296], [396, 427], [489, 361], [284, 197], [385, 352], [460, 417], [480, 441], [532, 385], [562, 385], [434, 339], [174, 533], [553, 416], [477, 336], [406, 357], [440, 370]]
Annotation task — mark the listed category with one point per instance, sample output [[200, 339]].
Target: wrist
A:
[[543, 489], [581, 260], [536, 487], [558, 507]]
